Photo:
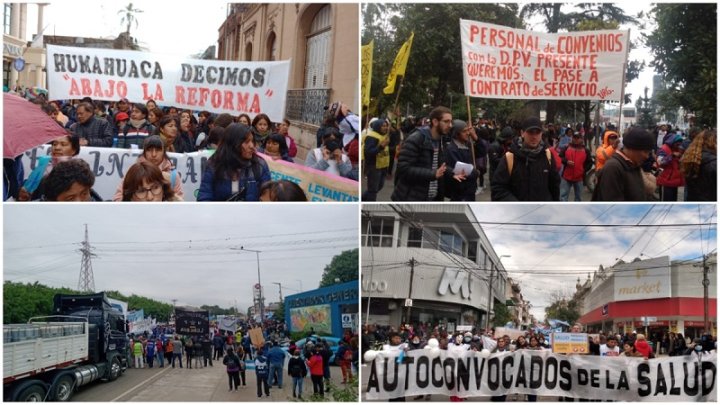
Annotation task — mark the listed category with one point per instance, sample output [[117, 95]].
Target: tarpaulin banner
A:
[[509, 63], [110, 165], [540, 372], [218, 86], [192, 322]]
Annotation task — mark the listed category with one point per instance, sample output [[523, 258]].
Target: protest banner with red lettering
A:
[[509, 63], [218, 86], [110, 165]]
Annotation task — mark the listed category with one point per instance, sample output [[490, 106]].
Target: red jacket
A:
[[316, 365], [671, 176], [579, 156]]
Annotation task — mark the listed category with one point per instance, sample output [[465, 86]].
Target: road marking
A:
[[155, 377]]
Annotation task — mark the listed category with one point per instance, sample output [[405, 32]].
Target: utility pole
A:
[[705, 284], [408, 309], [490, 293], [280, 285], [86, 282]]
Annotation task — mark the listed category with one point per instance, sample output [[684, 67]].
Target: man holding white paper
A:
[[461, 178]]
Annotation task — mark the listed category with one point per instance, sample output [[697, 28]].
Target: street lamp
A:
[[260, 299], [490, 291]]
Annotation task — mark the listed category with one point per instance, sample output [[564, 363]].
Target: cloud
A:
[[188, 252]]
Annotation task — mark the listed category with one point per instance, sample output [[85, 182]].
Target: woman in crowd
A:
[[151, 105], [137, 129], [283, 129], [155, 153], [282, 190], [155, 115], [274, 146], [69, 181], [62, 149], [234, 172], [262, 127], [668, 159], [244, 119], [461, 187], [145, 182], [699, 166]]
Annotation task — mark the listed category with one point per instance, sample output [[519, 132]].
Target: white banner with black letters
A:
[[470, 374]]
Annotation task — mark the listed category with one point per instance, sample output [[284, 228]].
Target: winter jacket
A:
[[296, 367], [231, 362], [374, 155], [704, 186], [580, 155], [620, 180], [183, 143], [292, 146], [496, 152], [167, 169], [414, 168], [670, 164], [533, 177], [276, 356], [459, 190], [604, 151], [97, 131], [316, 365], [251, 179], [132, 135], [314, 159]]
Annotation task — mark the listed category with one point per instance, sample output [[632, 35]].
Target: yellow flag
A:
[[398, 68], [366, 74]]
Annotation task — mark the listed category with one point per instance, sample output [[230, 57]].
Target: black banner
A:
[[192, 322]]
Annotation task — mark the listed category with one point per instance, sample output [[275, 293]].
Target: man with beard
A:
[[527, 173]]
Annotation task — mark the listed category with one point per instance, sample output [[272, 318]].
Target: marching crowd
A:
[[408, 337], [441, 158], [270, 360], [234, 172]]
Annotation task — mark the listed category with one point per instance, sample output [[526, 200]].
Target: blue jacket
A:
[[221, 190], [261, 367], [276, 355]]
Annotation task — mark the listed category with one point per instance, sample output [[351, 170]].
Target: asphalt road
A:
[[209, 384]]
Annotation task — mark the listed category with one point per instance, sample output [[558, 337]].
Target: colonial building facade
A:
[[321, 41]]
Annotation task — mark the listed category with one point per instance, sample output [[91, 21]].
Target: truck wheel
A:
[[63, 388], [33, 393], [115, 370]]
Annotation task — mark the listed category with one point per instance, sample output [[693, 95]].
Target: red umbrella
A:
[[26, 126]]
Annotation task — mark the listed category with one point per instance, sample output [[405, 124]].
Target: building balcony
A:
[[307, 105]]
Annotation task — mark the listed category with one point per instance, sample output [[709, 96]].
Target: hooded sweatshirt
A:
[[604, 151], [671, 176]]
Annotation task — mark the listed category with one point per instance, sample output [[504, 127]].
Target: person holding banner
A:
[[154, 153], [527, 172], [234, 172], [275, 146], [92, 131], [420, 167]]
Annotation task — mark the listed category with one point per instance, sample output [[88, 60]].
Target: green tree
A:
[[343, 267], [434, 70], [684, 46], [280, 312], [563, 310], [502, 314]]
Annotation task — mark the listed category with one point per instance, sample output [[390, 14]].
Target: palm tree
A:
[[129, 17]]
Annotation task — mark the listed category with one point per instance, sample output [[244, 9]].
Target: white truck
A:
[[48, 358]]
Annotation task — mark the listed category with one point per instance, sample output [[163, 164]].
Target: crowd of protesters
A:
[[532, 161], [234, 172], [413, 337]]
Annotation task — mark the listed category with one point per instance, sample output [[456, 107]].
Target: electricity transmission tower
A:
[[86, 282]]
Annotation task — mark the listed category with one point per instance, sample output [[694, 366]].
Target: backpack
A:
[[510, 159]]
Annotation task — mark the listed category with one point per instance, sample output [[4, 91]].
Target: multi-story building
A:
[[23, 62], [653, 296], [322, 42], [428, 263]]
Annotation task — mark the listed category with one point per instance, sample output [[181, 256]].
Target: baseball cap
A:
[[532, 123], [123, 100], [121, 117]]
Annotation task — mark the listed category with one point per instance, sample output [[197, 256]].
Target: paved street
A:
[[207, 384]]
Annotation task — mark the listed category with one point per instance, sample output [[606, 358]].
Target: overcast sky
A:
[[578, 251], [181, 28], [179, 251]]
